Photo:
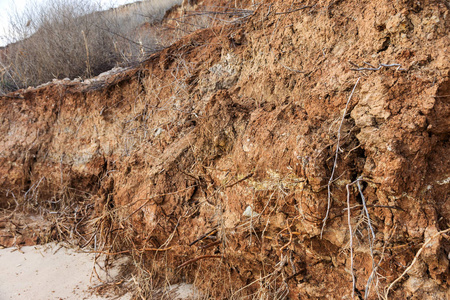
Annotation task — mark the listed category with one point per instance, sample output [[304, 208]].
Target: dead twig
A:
[[351, 239], [198, 258], [156, 249], [336, 158], [288, 228], [129, 251], [204, 236], [375, 206], [292, 70], [380, 66], [371, 240], [415, 260], [240, 180], [294, 10]]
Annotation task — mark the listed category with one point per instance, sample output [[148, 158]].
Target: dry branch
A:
[[415, 260], [351, 240], [330, 181], [198, 258], [294, 10], [380, 66], [204, 236], [240, 180]]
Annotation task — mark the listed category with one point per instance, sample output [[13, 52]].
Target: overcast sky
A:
[[8, 5]]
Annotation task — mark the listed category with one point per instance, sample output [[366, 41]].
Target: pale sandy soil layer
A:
[[50, 272]]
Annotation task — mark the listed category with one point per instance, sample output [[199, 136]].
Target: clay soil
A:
[[237, 158]]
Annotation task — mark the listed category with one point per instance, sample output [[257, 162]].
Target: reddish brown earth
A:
[[164, 159]]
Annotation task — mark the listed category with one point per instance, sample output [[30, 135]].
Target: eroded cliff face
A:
[[215, 160]]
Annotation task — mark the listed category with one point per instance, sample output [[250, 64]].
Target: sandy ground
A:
[[56, 272], [50, 272]]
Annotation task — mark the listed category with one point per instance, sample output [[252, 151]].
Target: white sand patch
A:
[[184, 291], [49, 272]]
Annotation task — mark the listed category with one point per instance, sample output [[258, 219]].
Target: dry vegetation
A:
[[59, 39]]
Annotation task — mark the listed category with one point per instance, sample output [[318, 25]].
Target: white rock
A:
[[248, 212]]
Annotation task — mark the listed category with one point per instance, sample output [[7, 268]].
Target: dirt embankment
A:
[[215, 161]]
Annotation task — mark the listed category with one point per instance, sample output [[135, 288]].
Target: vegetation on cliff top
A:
[[75, 38]]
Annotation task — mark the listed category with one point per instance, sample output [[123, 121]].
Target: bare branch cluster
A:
[[69, 39]]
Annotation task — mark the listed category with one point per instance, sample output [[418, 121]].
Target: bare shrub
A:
[[55, 40], [74, 38]]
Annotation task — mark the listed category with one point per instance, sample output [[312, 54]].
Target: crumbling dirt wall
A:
[[247, 118]]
